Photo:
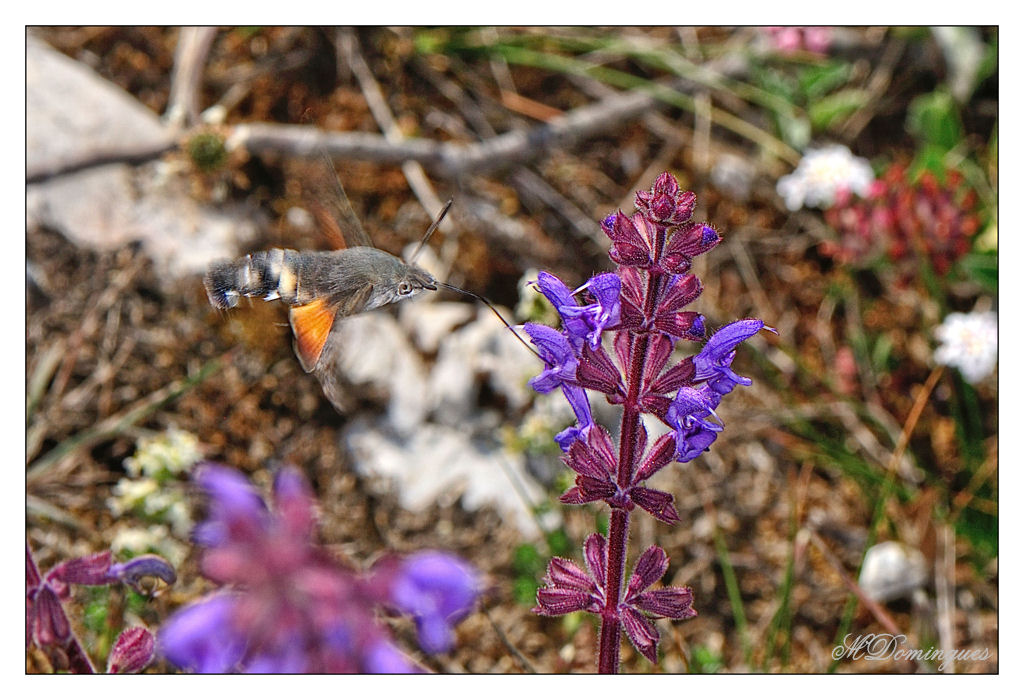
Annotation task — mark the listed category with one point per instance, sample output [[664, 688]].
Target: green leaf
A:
[[817, 81], [934, 119], [929, 157], [983, 268], [705, 661], [836, 107]]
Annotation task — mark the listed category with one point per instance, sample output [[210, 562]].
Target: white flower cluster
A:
[[153, 491], [169, 453], [822, 172], [969, 342]]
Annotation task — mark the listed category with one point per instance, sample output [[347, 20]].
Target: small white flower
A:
[[172, 452], [130, 494], [822, 172], [970, 343]]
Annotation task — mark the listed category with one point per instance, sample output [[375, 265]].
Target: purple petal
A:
[[132, 652], [202, 637], [595, 553], [558, 355], [561, 297], [565, 573], [562, 601], [649, 569], [438, 590], [90, 570], [716, 356], [641, 632], [568, 437], [672, 602], [554, 289], [294, 502], [288, 658], [235, 504], [133, 571], [580, 404], [382, 657]]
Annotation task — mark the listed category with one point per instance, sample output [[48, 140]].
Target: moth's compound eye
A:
[[404, 288]]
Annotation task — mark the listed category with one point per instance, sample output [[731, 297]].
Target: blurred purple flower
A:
[[288, 607], [438, 590]]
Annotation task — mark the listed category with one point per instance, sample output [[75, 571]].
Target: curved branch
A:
[[447, 159]]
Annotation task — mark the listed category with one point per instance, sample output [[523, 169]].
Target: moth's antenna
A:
[[430, 231], [491, 307]]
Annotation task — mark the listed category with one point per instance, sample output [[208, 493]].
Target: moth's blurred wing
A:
[[331, 369], [330, 206]]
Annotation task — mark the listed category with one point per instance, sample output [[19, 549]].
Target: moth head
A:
[[415, 281]]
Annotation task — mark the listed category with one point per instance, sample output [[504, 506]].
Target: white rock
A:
[[440, 464], [73, 116], [892, 570]]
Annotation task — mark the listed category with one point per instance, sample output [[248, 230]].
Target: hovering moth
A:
[[323, 287], [319, 286]]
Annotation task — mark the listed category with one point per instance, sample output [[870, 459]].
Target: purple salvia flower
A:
[[561, 364], [713, 362], [688, 415], [383, 657], [577, 398], [603, 313], [557, 354], [586, 322], [643, 304], [132, 572], [561, 297], [234, 505]]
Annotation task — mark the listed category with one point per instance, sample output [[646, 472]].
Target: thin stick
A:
[[189, 57], [523, 661]]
